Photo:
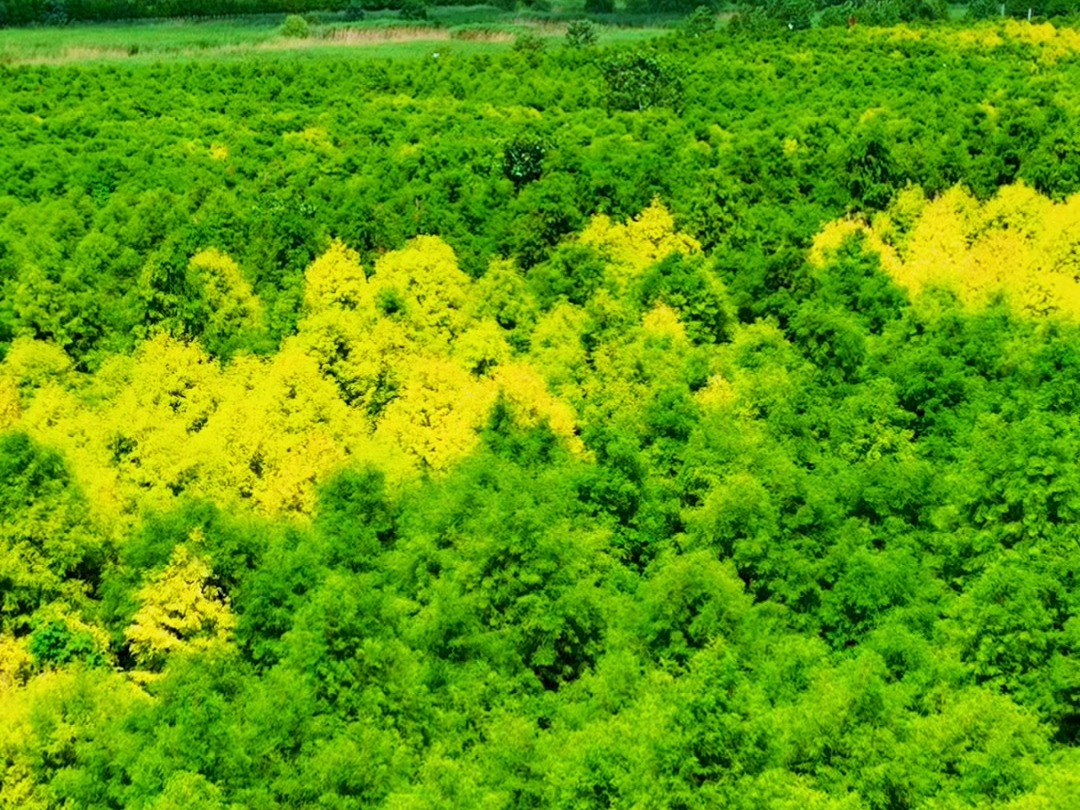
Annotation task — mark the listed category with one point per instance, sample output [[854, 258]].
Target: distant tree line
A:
[[752, 15], [60, 12], [800, 14]]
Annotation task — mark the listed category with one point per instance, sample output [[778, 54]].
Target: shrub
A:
[[638, 81], [580, 34], [701, 22], [296, 27], [528, 44], [599, 6], [414, 10], [753, 21], [523, 160], [55, 12], [836, 16], [984, 9], [354, 12]]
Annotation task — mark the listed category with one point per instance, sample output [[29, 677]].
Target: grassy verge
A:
[[382, 34]]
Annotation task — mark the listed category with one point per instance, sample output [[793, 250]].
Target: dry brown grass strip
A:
[[79, 53], [478, 35], [375, 36]]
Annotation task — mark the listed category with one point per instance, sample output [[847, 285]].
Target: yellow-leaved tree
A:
[[179, 609], [234, 309], [640, 242], [399, 368], [1019, 245]]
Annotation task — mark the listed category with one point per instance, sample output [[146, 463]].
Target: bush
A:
[[414, 10], [879, 12], [753, 21], [638, 81], [915, 10], [661, 6], [599, 6], [295, 27], [580, 34], [528, 44], [984, 9], [836, 16], [888, 12], [774, 15], [55, 12], [523, 160], [354, 12], [701, 22], [792, 14]]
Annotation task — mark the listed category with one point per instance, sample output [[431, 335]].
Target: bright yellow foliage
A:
[[663, 322], [501, 293], [436, 415], [234, 307], [716, 394], [1053, 43], [625, 373], [336, 279], [35, 363], [527, 392], [400, 370], [15, 662], [979, 37], [558, 350], [1019, 245], [10, 411], [424, 281], [179, 610], [635, 245], [482, 347]]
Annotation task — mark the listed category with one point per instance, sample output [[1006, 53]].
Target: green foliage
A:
[[984, 9], [687, 286], [637, 80], [599, 6], [890, 12], [55, 644], [50, 548], [413, 10], [530, 47], [795, 535], [700, 23], [523, 160], [661, 6], [295, 27], [574, 272], [580, 34], [873, 176]]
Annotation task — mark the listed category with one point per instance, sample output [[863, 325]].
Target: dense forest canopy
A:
[[685, 426]]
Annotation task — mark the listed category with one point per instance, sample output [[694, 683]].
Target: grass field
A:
[[381, 35]]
